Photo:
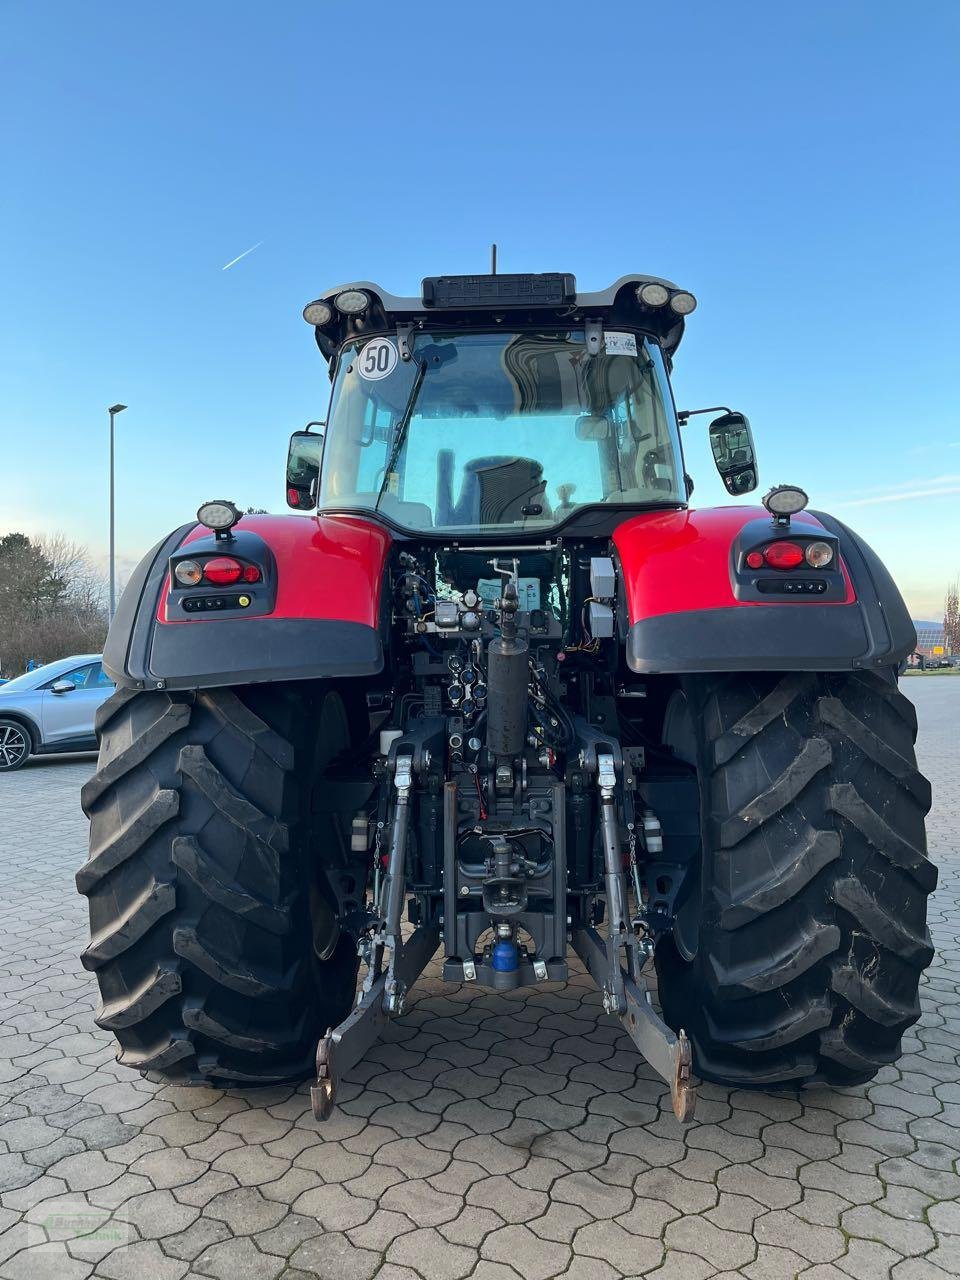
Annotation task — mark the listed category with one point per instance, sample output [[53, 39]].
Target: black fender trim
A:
[[241, 651], [141, 653], [125, 649], [874, 632], [886, 617]]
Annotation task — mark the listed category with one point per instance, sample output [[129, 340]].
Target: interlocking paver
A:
[[333, 1257], [239, 1257], [490, 1136], [909, 1238], [136, 1261], [45, 1262], [696, 1234], [432, 1255]]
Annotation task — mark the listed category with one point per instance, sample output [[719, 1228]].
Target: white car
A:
[[51, 709]]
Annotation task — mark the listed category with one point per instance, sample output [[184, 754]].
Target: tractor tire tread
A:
[[812, 935], [201, 928]]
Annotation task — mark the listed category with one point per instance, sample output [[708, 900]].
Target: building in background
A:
[[931, 645], [930, 639]]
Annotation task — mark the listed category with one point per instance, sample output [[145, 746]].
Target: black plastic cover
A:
[[466, 293], [805, 637]]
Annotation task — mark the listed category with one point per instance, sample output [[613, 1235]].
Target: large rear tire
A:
[[205, 883], [810, 935]]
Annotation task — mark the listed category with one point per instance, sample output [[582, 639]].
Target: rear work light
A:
[[784, 555], [223, 571]]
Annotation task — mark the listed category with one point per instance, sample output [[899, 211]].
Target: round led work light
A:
[[219, 515], [785, 500], [352, 302], [318, 313], [653, 295], [683, 303]]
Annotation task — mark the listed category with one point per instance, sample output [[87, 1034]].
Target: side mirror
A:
[[732, 443], [62, 686], [303, 468]]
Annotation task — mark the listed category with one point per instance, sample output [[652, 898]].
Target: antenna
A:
[[493, 259]]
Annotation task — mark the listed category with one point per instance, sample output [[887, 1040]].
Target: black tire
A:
[[804, 958], [204, 884], [15, 745]]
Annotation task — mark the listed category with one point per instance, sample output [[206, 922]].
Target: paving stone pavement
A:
[[488, 1136]]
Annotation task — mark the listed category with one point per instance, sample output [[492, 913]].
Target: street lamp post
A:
[[113, 411]]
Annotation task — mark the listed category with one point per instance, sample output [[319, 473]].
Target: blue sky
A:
[[795, 166]]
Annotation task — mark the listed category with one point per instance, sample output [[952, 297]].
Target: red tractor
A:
[[499, 688]]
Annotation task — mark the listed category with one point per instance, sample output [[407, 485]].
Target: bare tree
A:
[[51, 601], [71, 564], [951, 618]]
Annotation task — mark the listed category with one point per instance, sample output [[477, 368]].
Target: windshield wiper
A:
[[401, 432]]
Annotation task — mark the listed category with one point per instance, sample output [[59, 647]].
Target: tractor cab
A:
[[496, 405]]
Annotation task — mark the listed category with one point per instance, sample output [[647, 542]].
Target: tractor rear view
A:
[[498, 690]]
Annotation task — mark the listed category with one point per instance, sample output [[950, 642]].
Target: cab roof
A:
[[471, 302]]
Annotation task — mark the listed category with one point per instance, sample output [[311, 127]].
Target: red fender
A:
[[326, 567], [314, 612], [678, 561], [692, 605]]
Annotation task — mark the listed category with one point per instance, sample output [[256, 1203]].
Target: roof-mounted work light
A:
[[683, 303], [352, 302], [653, 295], [318, 313]]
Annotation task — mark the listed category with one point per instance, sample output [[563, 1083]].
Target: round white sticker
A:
[[377, 360]]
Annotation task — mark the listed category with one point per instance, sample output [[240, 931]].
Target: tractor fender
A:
[[316, 611], [688, 605]]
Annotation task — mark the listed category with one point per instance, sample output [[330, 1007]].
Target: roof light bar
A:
[[551, 289]]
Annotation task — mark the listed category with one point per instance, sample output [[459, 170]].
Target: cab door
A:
[[70, 703]]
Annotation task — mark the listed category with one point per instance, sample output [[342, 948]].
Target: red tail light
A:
[[783, 555], [755, 559], [222, 571], [251, 573]]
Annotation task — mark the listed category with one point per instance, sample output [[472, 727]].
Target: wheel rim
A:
[[13, 746]]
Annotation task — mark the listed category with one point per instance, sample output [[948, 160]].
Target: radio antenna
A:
[[493, 259]]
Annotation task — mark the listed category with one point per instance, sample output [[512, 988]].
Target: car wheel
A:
[[14, 745]]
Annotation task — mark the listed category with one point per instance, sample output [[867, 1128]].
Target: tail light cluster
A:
[[217, 571], [785, 555]]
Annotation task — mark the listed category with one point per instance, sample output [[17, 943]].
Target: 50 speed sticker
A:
[[377, 360]]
